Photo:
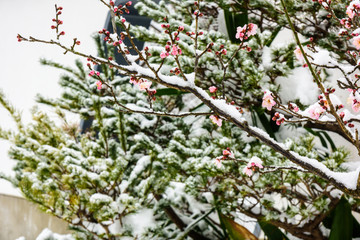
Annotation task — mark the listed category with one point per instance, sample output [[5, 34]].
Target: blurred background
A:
[[22, 76]]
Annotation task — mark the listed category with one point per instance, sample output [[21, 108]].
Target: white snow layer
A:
[[47, 234]]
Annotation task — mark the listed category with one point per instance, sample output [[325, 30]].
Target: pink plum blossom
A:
[[246, 31], [144, 85], [298, 53], [176, 50], [216, 120], [117, 43], [134, 81], [353, 7], [350, 12], [293, 107], [355, 106], [239, 33], [228, 153], [356, 42], [280, 121], [354, 100], [212, 89], [248, 171], [218, 162], [164, 54], [252, 29], [268, 101], [315, 111], [99, 85], [351, 97], [255, 161], [252, 165], [279, 118], [92, 72]]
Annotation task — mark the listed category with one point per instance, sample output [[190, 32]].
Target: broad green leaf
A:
[[272, 232], [168, 91], [236, 231], [322, 140], [269, 125], [332, 144], [356, 228], [328, 222], [342, 225]]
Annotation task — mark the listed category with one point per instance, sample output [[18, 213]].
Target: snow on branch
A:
[[144, 70]]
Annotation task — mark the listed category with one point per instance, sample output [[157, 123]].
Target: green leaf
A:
[[168, 92], [342, 225], [272, 232], [192, 225], [329, 220], [197, 107], [317, 134], [269, 125], [322, 139], [235, 230], [356, 228], [332, 144]]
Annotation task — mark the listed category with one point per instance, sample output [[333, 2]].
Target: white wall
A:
[[21, 218]]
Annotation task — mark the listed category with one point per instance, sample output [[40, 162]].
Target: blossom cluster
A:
[[352, 12], [227, 154], [278, 118], [254, 165], [353, 9], [58, 22], [246, 31], [120, 9], [143, 85], [109, 38], [173, 50], [354, 99]]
